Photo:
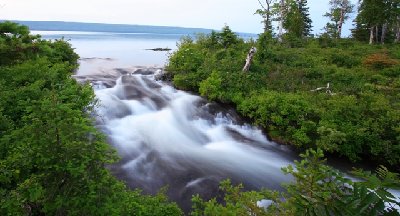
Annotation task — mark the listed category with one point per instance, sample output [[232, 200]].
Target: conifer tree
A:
[[381, 17], [307, 22], [295, 17]]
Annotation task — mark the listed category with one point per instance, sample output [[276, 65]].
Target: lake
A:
[[125, 49]]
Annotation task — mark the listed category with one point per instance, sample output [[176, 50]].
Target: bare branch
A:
[[261, 5]]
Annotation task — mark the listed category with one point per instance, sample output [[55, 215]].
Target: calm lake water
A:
[[125, 49]]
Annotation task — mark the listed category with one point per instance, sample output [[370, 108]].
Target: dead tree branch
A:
[[249, 59]]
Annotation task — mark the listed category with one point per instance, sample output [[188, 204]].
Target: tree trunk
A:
[[340, 23], [376, 33], [397, 39], [384, 29], [371, 35], [281, 21], [249, 59], [267, 26]]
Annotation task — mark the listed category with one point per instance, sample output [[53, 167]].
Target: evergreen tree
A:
[[381, 17], [304, 11], [296, 19], [293, 21], [227, 37]]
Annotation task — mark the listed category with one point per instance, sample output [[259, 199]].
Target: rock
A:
[[162, 75]]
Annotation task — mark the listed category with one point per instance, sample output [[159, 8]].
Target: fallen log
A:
[[328, 89]]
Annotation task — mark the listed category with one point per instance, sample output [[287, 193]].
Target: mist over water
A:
[[169, 137]]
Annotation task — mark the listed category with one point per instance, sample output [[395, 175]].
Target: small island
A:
[[160, 49]]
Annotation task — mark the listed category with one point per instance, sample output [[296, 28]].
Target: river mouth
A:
[[167, 137]]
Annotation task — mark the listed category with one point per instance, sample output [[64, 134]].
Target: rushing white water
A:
[[170, 137]]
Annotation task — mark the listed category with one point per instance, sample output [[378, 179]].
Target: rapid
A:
[[168, 137]]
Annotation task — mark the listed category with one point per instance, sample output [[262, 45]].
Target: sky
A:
[[214, 14]]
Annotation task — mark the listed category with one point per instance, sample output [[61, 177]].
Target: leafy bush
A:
[[342, 59], [289, 116], [52, 158], [276, 93], [380, 61], [317, 189]]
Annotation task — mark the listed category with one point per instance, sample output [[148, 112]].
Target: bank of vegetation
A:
[[337, 94], [326, 93], [52, 158]]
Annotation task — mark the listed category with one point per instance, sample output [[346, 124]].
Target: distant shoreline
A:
[[115, 28]]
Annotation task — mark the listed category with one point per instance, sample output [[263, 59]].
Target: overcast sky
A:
[[238, 14]]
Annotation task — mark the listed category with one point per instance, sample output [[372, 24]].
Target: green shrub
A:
[[317, 189]]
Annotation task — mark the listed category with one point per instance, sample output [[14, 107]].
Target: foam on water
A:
[[170, 137]]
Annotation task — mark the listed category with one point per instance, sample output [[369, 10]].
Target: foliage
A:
[[294, 21], [321, 190], [338, 13], [359, 120], [267, 13], [287, 116], [380, 61], [380, 18], [52, 159], [304, 11], [317, 189], [236, 202]]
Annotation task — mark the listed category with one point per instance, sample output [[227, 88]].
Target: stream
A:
[[167, 137]]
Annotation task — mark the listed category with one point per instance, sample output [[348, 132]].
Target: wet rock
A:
[[131, 92], [123, 71], [162, 75], [151, 84], [144, 71]]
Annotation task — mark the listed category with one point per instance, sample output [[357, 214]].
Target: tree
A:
[[381, 17], [266, 13], [295, 19], [279, 11], [52, 158], [304, 11], [227, 37], [282, 13], [339, 12]]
